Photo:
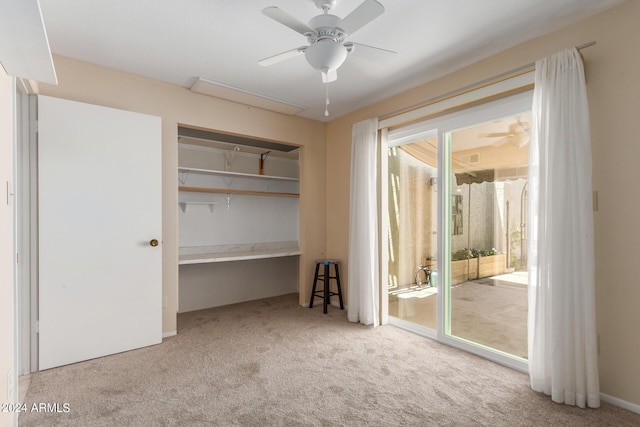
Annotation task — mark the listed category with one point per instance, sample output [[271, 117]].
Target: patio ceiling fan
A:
[[326, 34], [517, 134]]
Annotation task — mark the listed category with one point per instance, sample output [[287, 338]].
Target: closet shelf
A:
[[234, 191], [237, 174]]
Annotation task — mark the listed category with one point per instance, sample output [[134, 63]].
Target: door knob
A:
[[153, 242]]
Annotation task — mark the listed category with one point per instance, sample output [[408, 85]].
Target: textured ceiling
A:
[[223, 40]]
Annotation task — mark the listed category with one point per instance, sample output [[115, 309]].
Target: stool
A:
[[326, 293]]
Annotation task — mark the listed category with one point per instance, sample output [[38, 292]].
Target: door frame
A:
[[26, 229]]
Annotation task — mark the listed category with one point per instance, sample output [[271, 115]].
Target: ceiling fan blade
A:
[[499, 143], [522, 140], [519, 141], [287, 20], [282, 56], [361, 16], [495, 134], [523, 143], [369, 52], [330, 76]]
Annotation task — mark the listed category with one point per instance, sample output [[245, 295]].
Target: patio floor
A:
[[490, 311]]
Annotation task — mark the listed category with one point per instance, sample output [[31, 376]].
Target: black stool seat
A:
[[326, 277]]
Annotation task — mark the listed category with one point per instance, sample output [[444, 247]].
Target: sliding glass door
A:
[[456, 236], [488, 281], [412, 231]]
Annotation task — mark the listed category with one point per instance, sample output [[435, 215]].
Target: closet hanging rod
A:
[[493, 79]]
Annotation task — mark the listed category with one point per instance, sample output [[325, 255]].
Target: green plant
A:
[[488, 252], [465, 253], [461, 254]]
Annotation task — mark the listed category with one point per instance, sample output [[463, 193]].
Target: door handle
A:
[[153, 242]]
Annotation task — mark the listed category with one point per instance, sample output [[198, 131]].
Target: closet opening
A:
[[238, 218]]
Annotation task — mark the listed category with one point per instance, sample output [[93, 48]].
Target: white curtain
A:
[[562, 328], [363, 225]]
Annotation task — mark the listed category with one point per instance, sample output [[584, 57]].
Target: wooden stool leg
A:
[[327, 297], [313, 290], [339, 287]]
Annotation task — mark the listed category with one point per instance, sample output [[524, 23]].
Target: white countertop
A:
[[236, 252]]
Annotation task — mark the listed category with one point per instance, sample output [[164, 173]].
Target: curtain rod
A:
[[475, 85]]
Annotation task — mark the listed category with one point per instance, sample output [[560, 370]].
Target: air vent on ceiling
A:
[[471, 158], [230, 93]]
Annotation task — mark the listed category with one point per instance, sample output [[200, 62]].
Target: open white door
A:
[[100, 278]]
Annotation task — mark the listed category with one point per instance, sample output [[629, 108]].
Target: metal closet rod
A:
[[475, 85]]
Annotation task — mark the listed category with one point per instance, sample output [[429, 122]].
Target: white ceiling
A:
[[223, 40]]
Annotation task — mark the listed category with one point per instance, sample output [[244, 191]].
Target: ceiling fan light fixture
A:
[[326, 35], [326, 55]]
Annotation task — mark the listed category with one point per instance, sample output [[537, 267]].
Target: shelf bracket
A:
[[182, 177], [184, 205]]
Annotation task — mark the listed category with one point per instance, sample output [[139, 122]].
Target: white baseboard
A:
[[620, 403], [169, 334]]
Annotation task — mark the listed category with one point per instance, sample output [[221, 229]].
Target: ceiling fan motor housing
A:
[[326, 27]]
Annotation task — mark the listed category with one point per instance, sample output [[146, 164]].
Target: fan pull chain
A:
[[326, 105]]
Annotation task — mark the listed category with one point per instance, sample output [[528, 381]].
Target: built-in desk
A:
[[236, 252]]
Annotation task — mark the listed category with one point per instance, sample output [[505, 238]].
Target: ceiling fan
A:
[[518, 134], [326, 34]]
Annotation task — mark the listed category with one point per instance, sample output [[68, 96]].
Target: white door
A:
[[100, 278]]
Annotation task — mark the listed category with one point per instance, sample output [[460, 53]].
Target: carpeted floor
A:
[[273, 363]]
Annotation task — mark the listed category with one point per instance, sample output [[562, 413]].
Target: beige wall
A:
[[7, 327], [612, 69], [89, 83]]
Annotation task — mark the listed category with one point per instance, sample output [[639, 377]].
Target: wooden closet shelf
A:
[[236, 174], [233, 191]]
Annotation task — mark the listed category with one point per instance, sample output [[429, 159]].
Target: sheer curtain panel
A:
[[363, 225], [562, 328]]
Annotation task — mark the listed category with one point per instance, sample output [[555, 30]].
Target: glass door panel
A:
[[412, 231], [488, 269]]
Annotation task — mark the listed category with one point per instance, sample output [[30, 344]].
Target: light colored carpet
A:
[[273, 363]]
